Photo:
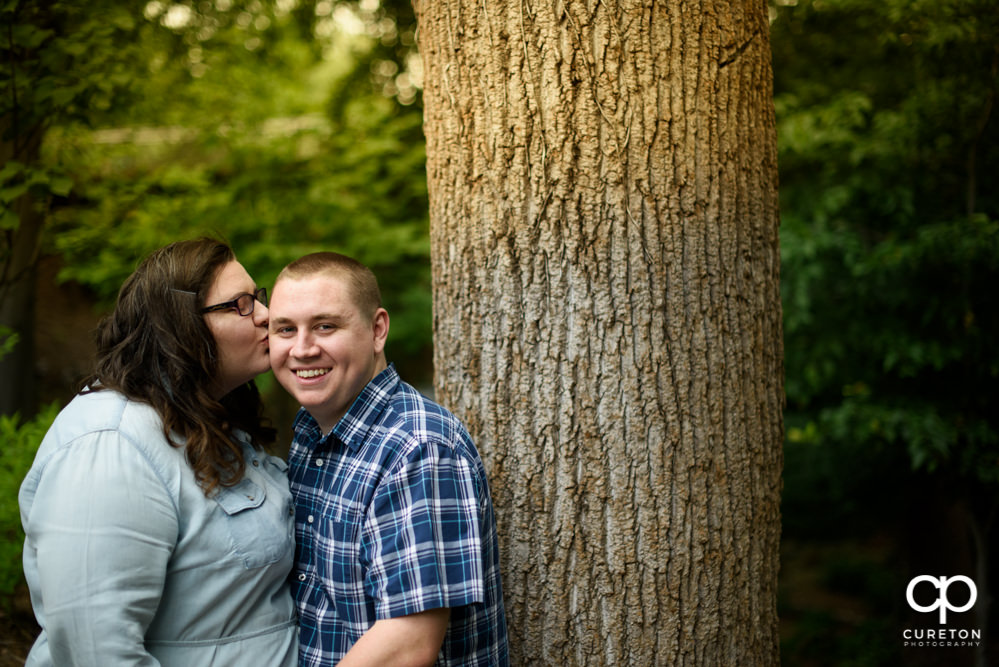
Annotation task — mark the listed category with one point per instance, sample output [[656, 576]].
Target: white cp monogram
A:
[[942, 602]]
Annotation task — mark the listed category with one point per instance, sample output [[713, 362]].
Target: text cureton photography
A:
[[928, 594], [938, 637]]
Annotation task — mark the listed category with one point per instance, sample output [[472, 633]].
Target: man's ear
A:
[[380, 327]]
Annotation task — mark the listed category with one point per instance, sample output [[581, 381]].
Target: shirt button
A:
[[301, 576], [256, 463], [291, 511], [319, 463], [310, 519]]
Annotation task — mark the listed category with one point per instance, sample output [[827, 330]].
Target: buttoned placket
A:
[[313, 479]]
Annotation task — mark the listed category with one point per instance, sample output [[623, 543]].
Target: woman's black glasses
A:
[[243, 303]]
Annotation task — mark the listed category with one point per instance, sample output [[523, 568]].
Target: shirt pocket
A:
[[338, 559], [257, 528]]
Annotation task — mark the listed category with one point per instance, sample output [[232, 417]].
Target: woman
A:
[[157, 532]]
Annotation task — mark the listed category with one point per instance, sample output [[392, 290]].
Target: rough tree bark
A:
[[603, 207]]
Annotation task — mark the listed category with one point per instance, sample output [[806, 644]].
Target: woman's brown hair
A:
[[156, 347]]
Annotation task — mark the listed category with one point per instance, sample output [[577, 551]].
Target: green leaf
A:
[[9, 219], [12, 192], [61, 185]]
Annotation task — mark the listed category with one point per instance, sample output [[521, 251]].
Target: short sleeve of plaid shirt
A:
[[394, 517], [423, 536]]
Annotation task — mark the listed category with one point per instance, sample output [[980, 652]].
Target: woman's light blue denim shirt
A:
[[129, 563]]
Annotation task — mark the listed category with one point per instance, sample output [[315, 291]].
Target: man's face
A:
[[322, 348]]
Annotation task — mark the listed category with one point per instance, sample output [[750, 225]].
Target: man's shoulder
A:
[[422, 416]]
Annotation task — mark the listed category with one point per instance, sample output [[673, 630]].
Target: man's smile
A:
[[307, 373]]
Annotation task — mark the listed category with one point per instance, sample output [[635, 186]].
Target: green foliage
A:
[[890, 233], [8, 340], [64, 59], [17, 179], [21, 441], [269, 123], [890, 343], [229, 135], [360, 191], [890, 256]]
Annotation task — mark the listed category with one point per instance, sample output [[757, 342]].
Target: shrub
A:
[[20, 442]]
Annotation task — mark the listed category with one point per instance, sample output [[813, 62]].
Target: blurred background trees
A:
[[292, 125], [282, 126], [890, 257]]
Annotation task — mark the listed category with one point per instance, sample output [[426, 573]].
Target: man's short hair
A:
[[359, 279]]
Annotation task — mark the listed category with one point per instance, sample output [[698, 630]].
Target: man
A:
[[396, 555]]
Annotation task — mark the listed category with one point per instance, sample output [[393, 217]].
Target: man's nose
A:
[[305, 346]]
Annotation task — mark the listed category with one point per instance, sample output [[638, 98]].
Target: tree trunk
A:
[[603, 207], [19, 250]]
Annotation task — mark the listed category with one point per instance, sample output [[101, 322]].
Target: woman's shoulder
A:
[[107, 415], [102, 436], [106, 410]]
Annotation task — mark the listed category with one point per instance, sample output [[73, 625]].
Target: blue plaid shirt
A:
[[393, 517]]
